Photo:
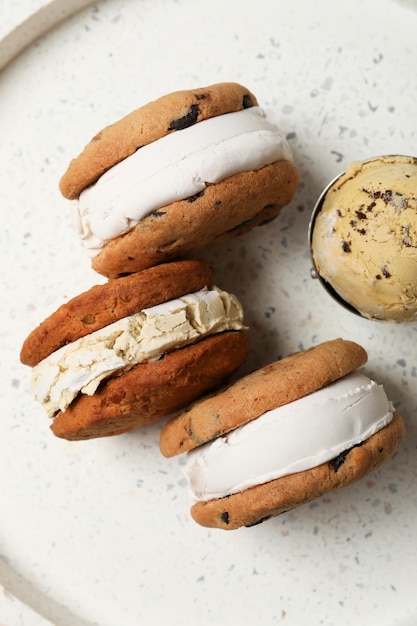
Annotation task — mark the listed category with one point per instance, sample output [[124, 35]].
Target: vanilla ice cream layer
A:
[[289, 439], [364, 240], [176, 167], [80, 366]]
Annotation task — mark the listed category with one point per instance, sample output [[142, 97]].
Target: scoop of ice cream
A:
[[81, 365], [292, 438], [364, 238]]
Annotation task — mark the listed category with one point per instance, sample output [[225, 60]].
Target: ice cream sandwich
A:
[[135, 349], [283, 436], [178, 175], [363, 238]]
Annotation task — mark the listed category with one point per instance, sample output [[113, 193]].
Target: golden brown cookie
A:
[[259, 503], [123, 236], [120, 355], [104, 304], [272, 386]]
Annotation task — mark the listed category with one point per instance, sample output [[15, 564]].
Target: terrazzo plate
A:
[[99, 532]]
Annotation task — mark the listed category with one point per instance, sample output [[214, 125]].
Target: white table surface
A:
[[99, 532], [23, 22]]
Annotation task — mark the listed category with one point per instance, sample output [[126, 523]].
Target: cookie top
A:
[[171, 112], [104, 304], [272, 386]]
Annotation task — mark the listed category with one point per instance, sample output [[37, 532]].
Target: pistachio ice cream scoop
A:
[[363, 237]]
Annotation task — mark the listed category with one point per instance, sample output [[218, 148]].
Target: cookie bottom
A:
[[183, 229], [151, 391], [259, 503]]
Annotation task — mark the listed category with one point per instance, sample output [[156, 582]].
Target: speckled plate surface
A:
[[98, 532]]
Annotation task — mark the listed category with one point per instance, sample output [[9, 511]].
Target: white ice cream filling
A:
[[176, 167], [289, 439], [80, 366]]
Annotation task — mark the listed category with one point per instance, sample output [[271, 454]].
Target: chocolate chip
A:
[[346, 246], [225, 517], [188, 120], [259, 521], [247, 102], [372, 194], [385, 272], [387, 196], [361, 215], [338, 461], [196, 196]]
